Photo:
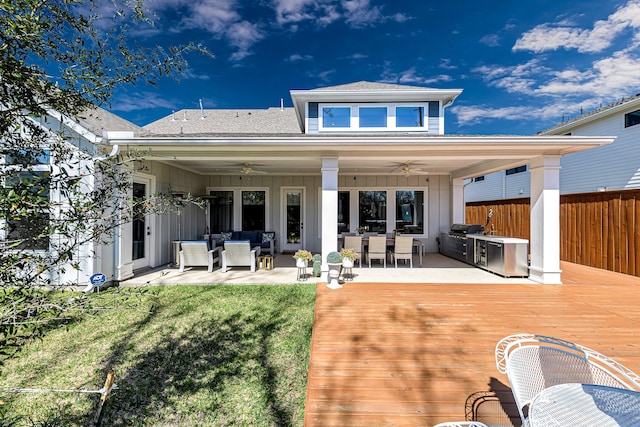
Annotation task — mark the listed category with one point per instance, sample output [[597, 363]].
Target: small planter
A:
[[347, 263], [301, 263]]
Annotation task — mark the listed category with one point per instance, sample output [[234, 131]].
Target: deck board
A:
[[387, 354]]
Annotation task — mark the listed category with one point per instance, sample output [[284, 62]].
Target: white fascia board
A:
[[75, 126]]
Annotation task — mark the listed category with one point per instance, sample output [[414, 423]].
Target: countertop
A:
[[497, 239]]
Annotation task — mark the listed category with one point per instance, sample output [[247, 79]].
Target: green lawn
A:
[[186, 356]]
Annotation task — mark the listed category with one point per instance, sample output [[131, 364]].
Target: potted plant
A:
[[348, 257], [334, 261], [302, 257]]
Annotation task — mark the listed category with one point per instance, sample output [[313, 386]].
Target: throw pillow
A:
[[267, 237], [226, 235]]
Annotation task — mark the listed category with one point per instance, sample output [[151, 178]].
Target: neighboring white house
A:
[[365, 154], [612, 167]]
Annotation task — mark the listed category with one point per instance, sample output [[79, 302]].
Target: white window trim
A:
[[391, 204], [354, 124], [237, 205]]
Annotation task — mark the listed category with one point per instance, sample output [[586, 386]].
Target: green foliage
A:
[[60, 196], [334, 258], [317, 265]]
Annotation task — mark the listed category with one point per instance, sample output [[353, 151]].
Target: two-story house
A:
[[364, 155], [612, 167]]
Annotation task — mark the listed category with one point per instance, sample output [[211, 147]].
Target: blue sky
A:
[[523, 66]]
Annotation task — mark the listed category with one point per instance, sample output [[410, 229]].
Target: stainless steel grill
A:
[[454, 244]]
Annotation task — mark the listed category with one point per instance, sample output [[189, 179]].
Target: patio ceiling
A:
[[458, 156]]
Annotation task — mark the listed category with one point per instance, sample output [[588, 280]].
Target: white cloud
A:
[[445, 64], [411, 76], [355, 13], [610, 77], [521, 78], [298, 57], [549, 37], [491, 40], [140, 101]]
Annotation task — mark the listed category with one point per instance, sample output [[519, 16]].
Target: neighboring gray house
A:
[[612, 167]]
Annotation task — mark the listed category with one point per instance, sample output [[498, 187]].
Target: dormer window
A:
[[373, 117], [410, 117], [336, 117]]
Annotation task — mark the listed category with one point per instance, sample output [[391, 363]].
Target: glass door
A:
[[293, 219], [141, 225]]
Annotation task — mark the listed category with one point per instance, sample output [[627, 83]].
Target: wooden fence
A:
[[599, 230]]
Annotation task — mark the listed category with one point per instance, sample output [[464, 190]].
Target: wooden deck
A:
[[387, 354]]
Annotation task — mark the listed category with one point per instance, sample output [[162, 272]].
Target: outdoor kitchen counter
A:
[[506, 256], [497, 239]]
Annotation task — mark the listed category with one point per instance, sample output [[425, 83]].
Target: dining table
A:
[[585, 405], [417, 245]]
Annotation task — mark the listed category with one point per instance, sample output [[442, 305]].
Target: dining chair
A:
[[533, 363], [377, 249], [355, 243], [402, 249]]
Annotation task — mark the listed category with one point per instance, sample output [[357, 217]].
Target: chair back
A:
[[535, 362], [377, 246], [237, 252], [403, 245], [195, 253], [353, 242]]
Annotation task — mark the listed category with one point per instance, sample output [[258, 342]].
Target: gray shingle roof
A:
[[364, 85], [98, 120], [241, 122]]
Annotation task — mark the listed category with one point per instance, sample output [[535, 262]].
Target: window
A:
[[632, 119], [253, 210], [31, 228], [372, 210], [221, 211], [519, 169], [336, 117], [383, 210], [344, 211], [409, 117], [373, 117], [409, 212]]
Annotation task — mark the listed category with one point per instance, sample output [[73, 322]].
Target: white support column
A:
[[545, 220], [329, 208], [457, 196]]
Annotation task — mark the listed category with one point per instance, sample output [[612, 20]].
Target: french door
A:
[[142, 224], [293, 214]]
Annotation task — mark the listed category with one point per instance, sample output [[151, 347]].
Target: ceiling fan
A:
[[406, 168], [249, 168]]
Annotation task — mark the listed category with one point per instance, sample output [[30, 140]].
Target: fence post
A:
[[106, 390]]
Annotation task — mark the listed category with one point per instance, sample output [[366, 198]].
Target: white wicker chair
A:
[[239, 253], [377, 249], [535, 362], [355, 243], [197, 253], [402, 249]]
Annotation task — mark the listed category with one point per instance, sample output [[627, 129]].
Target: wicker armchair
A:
[[535, 362]]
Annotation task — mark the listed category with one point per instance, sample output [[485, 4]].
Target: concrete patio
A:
[[435, 268]]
